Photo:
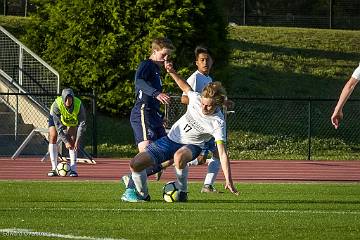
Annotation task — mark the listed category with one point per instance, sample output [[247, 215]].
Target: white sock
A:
[[72, 155], [213, 169], [182, 177], [140, 181], [194, 162], [53, 151]]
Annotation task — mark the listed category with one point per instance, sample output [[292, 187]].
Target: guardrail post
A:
[[94, 124], [309, 129]]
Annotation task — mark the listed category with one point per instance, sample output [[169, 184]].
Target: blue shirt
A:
[[148, 85]]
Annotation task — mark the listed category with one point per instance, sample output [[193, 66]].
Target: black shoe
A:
[[52, 173], [207, 188], [183, 197], [73, 174]]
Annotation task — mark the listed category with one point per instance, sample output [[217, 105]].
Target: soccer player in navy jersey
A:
[[146, 118]]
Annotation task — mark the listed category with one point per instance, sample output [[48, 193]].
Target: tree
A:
[[98, 44]]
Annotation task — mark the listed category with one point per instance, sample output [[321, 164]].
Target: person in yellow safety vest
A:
[[68, 121]]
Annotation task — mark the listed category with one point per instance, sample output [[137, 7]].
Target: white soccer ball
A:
[[62, 169], [170, 192]]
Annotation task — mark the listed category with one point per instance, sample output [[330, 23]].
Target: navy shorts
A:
[[147, 124], [210, 145], [164, 149], [51, 121]]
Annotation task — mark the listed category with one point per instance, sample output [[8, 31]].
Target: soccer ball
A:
[[170, 192], [62, 169]]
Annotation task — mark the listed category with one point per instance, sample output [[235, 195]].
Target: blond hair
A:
[[216, 91], [161, 43]]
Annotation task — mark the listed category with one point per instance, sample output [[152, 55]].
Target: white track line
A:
[[27, 232], [285, 211]]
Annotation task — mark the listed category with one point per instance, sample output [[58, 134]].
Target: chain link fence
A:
[[258, 128], [342, 14], [285, 128], [19, 116]]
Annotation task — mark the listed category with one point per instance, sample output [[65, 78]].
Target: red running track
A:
[[242, 170]]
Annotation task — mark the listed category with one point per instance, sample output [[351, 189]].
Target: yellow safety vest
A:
[[69, 119]]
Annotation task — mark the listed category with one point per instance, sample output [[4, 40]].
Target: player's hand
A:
[[336, 118], [231, 188], [169, 66], [163, 98], [76, 145], [202, 157], [229, 104], [68, 145]]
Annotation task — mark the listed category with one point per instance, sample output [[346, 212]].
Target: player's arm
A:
[[81, 127], [192, 82], [146, 88], [150, 91], [225, 165], [183, 85], [185, 99], [344, 96]]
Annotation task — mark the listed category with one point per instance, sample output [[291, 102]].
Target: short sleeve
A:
[[356, 73]]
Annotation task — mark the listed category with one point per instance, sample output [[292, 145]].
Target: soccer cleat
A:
[[52, 173], [183, 197], [207, 188], [125, 180], [131, 195], [158, 175], [73, 174]]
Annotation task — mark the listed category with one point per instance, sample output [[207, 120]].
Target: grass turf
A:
[[261, 211]]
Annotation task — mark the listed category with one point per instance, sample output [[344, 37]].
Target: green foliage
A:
[[98, 44]]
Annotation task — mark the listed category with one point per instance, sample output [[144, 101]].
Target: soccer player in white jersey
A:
[[197, 81], [185, 140], [338, 115]]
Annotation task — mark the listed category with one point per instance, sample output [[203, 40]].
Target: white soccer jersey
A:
[[356, 73], [198, 81], [196, 128]]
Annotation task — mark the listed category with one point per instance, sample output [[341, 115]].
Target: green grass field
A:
[[89, 210]]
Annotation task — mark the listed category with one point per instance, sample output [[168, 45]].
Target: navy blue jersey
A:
[[148, 85]]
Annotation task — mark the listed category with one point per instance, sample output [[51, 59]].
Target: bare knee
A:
[[141, 161], [182, 157], [52, 135]]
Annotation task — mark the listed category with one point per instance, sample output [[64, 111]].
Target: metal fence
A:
[[341, 14], [287, 128], [26, 71], [18, 117]]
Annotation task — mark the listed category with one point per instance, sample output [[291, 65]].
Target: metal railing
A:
[[25, 70]]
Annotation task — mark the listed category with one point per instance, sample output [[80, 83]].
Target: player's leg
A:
[[72, 131], [139, 192], [138, 166], [158, 169], [213, 168], [53, 148], [140, 131], [146, 129], [181, 158], [212, 171]]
